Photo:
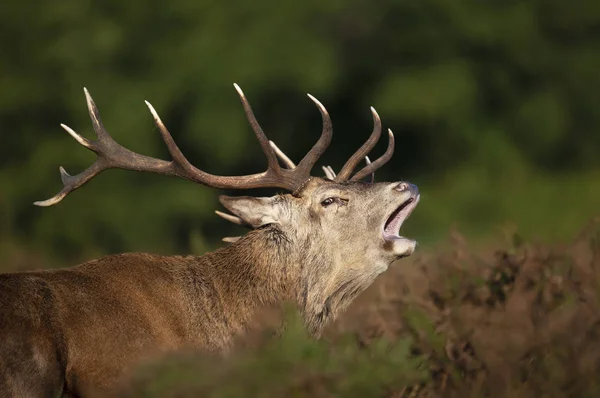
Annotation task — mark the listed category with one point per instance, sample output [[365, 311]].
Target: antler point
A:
[[81, 140], [239, 90], [154, 113], [375, 114], [229, 217], [149, 105], [318, 103], [52, 201], [231, 239]]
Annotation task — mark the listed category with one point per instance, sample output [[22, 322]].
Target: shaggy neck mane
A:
[[250, 274], [262, 269], [257, 267]]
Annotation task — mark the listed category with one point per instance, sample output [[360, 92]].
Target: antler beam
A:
[[112, 155]]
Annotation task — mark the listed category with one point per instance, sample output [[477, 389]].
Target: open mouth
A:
[[391, 228]]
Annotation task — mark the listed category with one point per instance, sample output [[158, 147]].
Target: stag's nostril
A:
[[402, 186]]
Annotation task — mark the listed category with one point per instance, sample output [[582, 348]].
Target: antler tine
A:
[[282, 156], [83, 141], [309, 160], [364, 150], [368, 162], [329, 173], [231, 239], [178, 158], [95, 116], [383, 159], [232, 218], [260, 135]]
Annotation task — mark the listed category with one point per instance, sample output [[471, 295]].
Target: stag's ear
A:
[[254, 211]]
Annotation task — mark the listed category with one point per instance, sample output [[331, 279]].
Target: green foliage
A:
[[291, 366], [494, 104]]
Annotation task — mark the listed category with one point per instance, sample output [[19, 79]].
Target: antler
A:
[[112, 155], [364, 150], [383, 159]]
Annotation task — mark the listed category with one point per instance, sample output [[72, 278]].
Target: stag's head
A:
[[340, 230], [351, 224]]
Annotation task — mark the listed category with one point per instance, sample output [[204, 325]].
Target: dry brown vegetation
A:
[[521, 321]]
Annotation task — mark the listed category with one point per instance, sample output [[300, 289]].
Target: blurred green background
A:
[[495, 106]]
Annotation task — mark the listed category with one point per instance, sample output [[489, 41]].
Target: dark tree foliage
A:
[[495, 106]]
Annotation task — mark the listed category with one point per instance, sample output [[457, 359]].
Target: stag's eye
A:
[[327, 202]]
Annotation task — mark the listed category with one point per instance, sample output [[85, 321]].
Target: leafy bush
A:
[[290, 366]]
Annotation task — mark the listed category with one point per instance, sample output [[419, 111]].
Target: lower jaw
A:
[[400, 246]]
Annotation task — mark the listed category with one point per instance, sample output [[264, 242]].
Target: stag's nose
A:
[[407, 186]]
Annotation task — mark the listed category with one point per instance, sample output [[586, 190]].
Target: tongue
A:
[[393, 225]]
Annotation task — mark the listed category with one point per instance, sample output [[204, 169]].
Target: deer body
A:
[[80, 330], [83, 328]]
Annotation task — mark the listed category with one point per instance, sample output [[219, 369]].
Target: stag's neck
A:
[[256, 269], [263, 269], [250, 274]]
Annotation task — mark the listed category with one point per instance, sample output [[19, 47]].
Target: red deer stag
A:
[[80, 329]]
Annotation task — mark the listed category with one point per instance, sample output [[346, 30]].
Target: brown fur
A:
[[80, 329]]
